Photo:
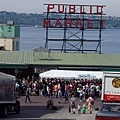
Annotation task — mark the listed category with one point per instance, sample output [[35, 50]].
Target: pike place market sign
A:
[[74, 16]]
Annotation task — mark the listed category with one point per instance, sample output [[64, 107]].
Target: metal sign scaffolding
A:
[[74, 28]]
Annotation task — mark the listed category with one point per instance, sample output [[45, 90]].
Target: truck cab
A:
[[8, 99]]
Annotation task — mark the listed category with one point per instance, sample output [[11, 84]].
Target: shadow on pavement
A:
[[33, 112]]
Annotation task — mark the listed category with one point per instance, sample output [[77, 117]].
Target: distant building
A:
[[9, 37]]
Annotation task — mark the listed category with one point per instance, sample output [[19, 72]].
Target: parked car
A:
[[108, 111]]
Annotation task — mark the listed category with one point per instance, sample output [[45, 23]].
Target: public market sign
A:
[[74, 16]]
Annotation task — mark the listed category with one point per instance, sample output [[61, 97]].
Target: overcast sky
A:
[[37, 6]]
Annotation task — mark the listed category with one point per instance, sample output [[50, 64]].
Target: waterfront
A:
[[32, 37]]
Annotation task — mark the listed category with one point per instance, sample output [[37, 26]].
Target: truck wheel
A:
[[4, 112], [17, 107]]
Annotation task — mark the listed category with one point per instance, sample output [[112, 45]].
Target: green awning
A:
[[14, 66]]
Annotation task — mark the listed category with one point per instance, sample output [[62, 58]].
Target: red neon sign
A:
[[69, 23], [74, 22], [71, 9]]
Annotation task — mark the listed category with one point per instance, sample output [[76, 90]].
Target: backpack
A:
[[92, 102]]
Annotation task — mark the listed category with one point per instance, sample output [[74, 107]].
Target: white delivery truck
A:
[[111, 87], [8, 100]]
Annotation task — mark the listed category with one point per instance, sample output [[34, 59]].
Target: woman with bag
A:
[[90, 103]]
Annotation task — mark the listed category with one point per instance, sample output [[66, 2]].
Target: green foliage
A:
[[33, 19]]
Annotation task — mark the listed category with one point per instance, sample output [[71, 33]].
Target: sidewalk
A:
[[64, 114], [37, 110]]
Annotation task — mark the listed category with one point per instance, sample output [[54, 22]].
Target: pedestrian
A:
[[79, 108], [83, 109], [66, 95], [59, 95], [49, 104], [90, 103], [28, 95], [73, 103], [80, 94], [55, 90]]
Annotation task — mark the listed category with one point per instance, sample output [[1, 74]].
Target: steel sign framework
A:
[[69, 27]]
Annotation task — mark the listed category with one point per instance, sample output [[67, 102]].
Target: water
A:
[[32, 37]]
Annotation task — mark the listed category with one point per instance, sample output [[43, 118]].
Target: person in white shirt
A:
[[79, 108], [97, 90], [59, 95]]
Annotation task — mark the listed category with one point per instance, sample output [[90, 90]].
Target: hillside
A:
[[34, 19]]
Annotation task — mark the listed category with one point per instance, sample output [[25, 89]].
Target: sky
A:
[[37, 6]]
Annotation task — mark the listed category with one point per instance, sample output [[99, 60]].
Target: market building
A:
[[24, 64], [33, 63]]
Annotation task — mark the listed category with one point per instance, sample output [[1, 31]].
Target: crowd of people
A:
[[70, 90]]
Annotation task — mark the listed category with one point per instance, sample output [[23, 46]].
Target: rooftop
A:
[[59, 58]]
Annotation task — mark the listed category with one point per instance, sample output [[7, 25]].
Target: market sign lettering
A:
[[83, 9], [82, 22]]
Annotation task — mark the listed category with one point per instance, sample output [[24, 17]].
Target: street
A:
[[37, 110]]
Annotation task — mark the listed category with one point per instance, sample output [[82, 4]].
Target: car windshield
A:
[[110, 108]]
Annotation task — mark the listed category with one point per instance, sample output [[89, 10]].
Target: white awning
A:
[[72, 74]]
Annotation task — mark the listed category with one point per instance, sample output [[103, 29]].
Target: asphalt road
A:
[[37, 110]]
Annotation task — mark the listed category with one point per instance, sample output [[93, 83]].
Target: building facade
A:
[[9, 37]]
